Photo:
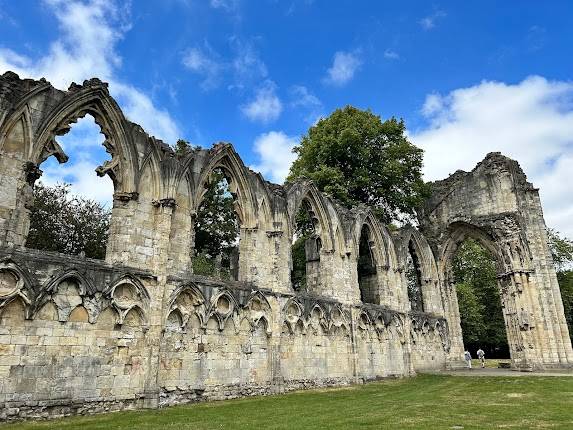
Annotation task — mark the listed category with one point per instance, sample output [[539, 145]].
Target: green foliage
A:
[[62, 222], [565, 279], [355, 157], [203, 265], [478, 297], [304, 229], [182, 147], [298, 275], [561, 249], [472, 313], [562, 253], [216, 225], [414, 280]]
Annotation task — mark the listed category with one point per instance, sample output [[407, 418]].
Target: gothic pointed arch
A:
[[85, 285], [92, 98], [15, 284], [409, 239], [382, 243], [127, 293], [223, 156], [189, 301], [151, 168], [458, 232], [20, 117], [306, 191]]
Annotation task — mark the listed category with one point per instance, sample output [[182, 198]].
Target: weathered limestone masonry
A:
[[140, 330], [496, 205]]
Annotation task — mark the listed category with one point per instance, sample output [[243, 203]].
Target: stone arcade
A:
[[140, 330]]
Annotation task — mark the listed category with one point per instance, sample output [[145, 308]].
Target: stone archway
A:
[[519, 322], [495, 205]]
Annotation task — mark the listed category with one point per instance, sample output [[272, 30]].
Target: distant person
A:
[[468, 358], [481, 356]]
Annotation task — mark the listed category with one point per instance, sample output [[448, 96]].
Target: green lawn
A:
[[490, 363], [424, 402]]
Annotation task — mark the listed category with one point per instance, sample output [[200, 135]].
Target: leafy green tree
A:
[[561, 249], [562, 253], [413, 281], [471, 313], [62, 222], [565, 279], [357, 158], [479, 299], [216, 225], [304, 229]]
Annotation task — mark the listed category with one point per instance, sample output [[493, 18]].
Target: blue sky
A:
[[467, 77]]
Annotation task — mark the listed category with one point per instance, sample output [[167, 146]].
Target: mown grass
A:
[[490, 363], [424, 402]]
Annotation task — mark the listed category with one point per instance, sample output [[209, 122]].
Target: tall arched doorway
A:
[[479, 300], [518, 322]]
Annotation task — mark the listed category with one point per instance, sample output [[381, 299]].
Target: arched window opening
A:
[[479, 300], [217, 230], [367, 280], [306, 247], [71, 211], [414, 279]]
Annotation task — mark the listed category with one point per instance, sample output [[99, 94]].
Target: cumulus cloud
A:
[[275, 153], [81, 175], [266, 106], [85, 47], [84, 141], [531, 121], [344, 66], [429, 22]]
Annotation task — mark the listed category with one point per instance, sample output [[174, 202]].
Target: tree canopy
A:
[[216, 225], [562, 253], [561, 249], [357, 158], [63, 222]]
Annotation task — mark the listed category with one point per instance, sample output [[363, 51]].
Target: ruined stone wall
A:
[[141, 330], [495, 205]]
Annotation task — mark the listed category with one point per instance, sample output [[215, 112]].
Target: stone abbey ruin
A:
[[139, 329]]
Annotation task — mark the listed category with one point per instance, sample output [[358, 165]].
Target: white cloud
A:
[[225, 5], [429, 22], [266, 106], [83, 179], [303, 99], [85, 48], [275, 152], [204, 62], [84, 142], [531, 121], [344, 66], [390, 54], [241, 70], [246, 65]]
